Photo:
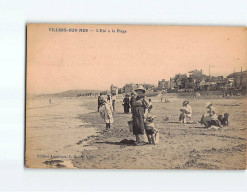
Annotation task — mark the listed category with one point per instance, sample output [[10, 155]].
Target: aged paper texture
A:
[[135, 97]]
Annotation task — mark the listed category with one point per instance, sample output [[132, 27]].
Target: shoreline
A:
[[52, 138]]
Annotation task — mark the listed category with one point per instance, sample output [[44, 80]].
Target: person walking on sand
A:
[[139, 112], [126, 104], [106, 114], [186, 112]]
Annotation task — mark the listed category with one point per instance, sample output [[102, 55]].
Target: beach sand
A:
[[53, 132], [77, 129]]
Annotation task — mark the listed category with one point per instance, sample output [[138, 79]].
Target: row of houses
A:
[[194, 81], [197, 81]]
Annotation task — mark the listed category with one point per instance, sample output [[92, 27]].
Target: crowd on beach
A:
[[142, 121]]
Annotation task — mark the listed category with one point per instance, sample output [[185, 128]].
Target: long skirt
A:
[[126, 108], [138, 121]]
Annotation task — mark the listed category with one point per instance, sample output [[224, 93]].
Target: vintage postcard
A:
[[136, 97]]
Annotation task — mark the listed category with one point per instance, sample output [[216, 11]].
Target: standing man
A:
[[132, 100], [114, 98], [100, 101]]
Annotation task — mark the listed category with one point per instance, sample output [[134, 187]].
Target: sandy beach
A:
[[53, 132], [68, 133]]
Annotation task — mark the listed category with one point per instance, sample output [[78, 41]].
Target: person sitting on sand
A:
[[210, 116], [106, 113], [186, 112]]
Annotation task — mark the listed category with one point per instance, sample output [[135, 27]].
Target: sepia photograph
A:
[[135, 97]]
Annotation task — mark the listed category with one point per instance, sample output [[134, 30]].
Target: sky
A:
[[60, 61]]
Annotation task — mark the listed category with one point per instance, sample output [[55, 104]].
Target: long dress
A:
[[106, 113], [126, 102], [139, 105]]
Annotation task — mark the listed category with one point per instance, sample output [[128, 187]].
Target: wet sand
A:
[[53, 132], [74, 127]]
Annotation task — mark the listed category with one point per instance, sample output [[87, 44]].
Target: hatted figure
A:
[[186, 112], [126, 104], [210, 118], [139, 113], [106, 113]]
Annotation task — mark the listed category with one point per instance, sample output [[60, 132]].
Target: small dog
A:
[[151, 131], [224, 120]]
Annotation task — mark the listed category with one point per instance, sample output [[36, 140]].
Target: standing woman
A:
[[139, 113], [126, 104]]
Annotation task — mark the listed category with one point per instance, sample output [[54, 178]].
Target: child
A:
[[106, 114], [151, 131]]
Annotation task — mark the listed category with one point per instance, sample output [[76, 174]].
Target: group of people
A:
[[141, 110], [128, 103], [140, 107], [209, 119]]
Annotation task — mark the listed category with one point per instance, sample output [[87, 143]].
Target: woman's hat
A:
[[208, 104], [185, 103], [140, 87]]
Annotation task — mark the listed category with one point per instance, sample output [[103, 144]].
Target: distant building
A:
[[239, 80], [163, 85], [128, 88], [114, 90], [180, 81], [148, 87]]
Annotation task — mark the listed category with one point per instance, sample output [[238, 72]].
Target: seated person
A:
[[210, 118], [186, 112]]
